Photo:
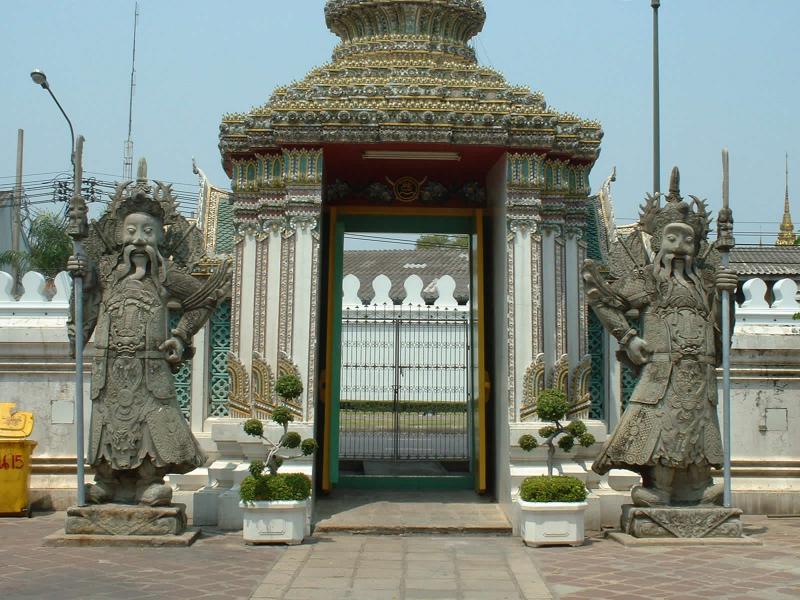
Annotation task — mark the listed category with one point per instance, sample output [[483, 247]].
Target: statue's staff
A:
[[724, 244], [78, 229]]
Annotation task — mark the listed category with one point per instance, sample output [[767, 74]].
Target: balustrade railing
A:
[[759, 308], [39, 298]]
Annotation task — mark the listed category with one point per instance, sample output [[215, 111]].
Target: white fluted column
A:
[[573, 310], [273, 230], [201, 369], [549, 295], [306, 311], [525, 312], [247, 288]]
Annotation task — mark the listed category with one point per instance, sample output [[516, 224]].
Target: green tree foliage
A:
[[441, 240], [49, 244]]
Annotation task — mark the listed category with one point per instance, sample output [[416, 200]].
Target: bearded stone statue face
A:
[[678, 240], [141, 229], [141, 235], [675, 261]]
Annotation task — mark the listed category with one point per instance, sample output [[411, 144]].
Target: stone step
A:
[[409, 512]]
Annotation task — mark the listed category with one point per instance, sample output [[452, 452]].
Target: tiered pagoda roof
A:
[[786, 237], [404, 72]]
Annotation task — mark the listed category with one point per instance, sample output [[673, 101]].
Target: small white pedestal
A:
[[279, 522], [544, 523]]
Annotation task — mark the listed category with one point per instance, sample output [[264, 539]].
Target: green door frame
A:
[[463, 222]]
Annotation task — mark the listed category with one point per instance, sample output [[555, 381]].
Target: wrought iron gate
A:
[[405, 383]]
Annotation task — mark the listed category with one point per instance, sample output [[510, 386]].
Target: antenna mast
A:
[[127, 161]]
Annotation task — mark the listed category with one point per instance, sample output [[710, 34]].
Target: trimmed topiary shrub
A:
[[552, 405], [264, 481], [289, 387], [281, 486], [552, 488]]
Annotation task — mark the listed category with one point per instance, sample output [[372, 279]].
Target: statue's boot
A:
[[100, 492], [648, 496], [151, 489], [104, 487], [156, 494], [714, 494]]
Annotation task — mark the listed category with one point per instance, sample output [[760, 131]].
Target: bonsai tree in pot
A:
[[274, 503], [552, 506]]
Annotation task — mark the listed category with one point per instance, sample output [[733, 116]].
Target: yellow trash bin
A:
[[15, 460]]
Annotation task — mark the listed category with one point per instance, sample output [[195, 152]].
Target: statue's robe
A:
[[671, 418], [135, 411]]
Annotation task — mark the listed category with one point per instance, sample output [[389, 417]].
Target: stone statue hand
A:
[[173, 348], [726, 280], [638, 351], [78, 266]]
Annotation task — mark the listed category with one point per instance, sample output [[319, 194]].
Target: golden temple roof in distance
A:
[[404, 72]]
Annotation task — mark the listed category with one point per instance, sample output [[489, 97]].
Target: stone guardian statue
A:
[[669, 433], [140, 256]]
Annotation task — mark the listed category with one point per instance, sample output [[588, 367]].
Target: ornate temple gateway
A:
[[404, 132], [421, 366]]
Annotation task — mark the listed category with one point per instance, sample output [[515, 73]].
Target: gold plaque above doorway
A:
[[407, 189]]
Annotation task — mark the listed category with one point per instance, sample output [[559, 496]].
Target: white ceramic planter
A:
[[279, 522], [544, 523]]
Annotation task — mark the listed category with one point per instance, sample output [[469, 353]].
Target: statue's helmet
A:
[[181, 241], [138, 198], [654, 217]]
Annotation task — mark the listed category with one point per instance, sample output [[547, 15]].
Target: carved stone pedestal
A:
[[124, 525], [682, 522]]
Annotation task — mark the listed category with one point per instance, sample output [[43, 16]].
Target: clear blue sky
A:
[[729, 78]]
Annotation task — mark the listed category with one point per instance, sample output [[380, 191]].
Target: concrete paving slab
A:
[[416, 568]]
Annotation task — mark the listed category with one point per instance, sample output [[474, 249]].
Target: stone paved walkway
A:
[[419, 567], [218, 566], [603, 569], [424, 567]]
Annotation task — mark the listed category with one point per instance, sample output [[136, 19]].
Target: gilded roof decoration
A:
[[405, 72]]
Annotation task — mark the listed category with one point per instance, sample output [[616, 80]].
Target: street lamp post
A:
[[656, 103], [77, 229]]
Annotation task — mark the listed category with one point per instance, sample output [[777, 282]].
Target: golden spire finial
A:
[[786, 236]]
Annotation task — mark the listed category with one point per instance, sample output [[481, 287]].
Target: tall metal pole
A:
[[724, 244], [127, 160], [16, 209], [656, 106], [77, 229]]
